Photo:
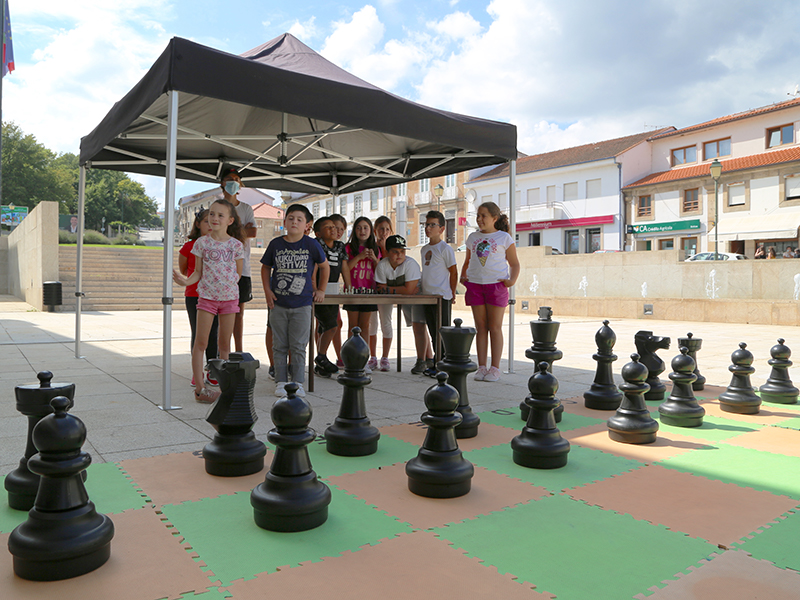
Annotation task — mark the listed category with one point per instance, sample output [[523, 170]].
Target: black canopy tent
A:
[[289, 120]]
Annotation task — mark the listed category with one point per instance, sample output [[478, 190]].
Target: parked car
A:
[[722, 256]]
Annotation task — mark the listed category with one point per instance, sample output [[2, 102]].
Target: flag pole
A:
[[2, 73]]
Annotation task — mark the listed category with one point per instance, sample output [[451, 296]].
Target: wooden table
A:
[[379, 299]]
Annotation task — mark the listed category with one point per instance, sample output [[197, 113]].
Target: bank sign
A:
[[662, 227]]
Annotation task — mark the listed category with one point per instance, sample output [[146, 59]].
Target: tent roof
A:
[[290, 120]]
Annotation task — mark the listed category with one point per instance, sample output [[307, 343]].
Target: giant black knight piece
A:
[[603, 393], [646, 346], [779, 387], [456, 363], [544, 332]]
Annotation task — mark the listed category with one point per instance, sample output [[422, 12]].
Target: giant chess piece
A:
[[604, 394], [234, 451], [291, 498], [33, 401], [351, 433], [646, 346], [694, 344], [456, 363], [681, 408], [778, 387], [64, 535], [740, 397], [540, 445], [544, 332], [632, 423], [439, 470]]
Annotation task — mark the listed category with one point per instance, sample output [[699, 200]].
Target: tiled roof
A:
[[571, 156], [732, 164], [727, 119], [267, 211]]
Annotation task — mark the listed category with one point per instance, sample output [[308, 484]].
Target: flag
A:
[[8, 47]]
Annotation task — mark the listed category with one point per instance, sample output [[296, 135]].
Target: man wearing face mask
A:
[[231, 183]]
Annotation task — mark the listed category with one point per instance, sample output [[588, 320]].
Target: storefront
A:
[[571, 236], [666, 236]]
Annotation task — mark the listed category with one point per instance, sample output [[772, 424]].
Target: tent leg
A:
[[169, 233], [79, 260], [512, 295]]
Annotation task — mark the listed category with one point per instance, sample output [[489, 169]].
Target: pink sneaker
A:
[[373, 363], [206, 396], [492, 375], [384, 365], [480, 374]]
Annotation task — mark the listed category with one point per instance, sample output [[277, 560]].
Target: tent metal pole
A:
[[512, 222], [169, 233], [79, 260]]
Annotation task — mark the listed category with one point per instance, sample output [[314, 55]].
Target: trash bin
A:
[[51, 295]]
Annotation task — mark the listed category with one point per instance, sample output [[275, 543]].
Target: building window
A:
[[667, 244], [485, 199], [593, 188], [571, 191], [644, 206], [682, 156], [343, 206], [716, 149], [501, 202], [778, 136], [793, 187], [450, 180], [689, 246], [551, 196], [423, 239], [534, 238], [402, 189], [533, 197], [736, 194], [357, 206], [572, 241], [315, 210], [373, 200], [593, 240], [424, 185], [691, 202], [329, 207]]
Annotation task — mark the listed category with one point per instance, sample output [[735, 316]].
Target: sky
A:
[[566, 72]]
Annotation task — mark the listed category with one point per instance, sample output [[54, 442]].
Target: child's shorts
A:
[[218, 307], [327, 317], [494, 294]]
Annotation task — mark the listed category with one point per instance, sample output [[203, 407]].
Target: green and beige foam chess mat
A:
[[707, 512]]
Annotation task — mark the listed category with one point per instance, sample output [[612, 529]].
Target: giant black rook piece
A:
[[603, 393], [234, 451], [632, 423], [439, 470], [540, 444], [681, 408], [778, 387], [64, 535], [456, 363], [740, 397], [544, 332], [291, 498], [351, 433], [694, 344], [646, 346], [33, 401]]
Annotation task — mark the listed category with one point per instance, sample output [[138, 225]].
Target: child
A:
[[490, 268], [398, 274], [328, 316], [439, 276], [287, 269], [363, 256], [383, 229], [222, 253], [186, 262], [341, 227]]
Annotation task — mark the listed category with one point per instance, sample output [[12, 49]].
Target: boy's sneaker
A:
[[280, 392], [492, 374], [480, 374], [206, 396], [419, 366], [429, 364], [321, 372], [323, 363], [384, 365], [430, 372], [271, 373], [300, 393], [373, 363]]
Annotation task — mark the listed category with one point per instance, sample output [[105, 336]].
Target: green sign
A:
[[668, 226], [11, 216]]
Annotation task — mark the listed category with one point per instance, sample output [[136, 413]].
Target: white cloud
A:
[[353, 39], [457, 25], [304, 31]]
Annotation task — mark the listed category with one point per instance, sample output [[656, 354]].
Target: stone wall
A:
[[33, 254]]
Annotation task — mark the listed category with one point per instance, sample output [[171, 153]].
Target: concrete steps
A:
[[127, 278]]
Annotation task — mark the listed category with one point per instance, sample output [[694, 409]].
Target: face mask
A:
[[232, 187]]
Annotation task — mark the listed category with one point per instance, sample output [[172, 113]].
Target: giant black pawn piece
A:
[[646, 346], [234, 451], [681, 408], [603, 393], [540, 445], [291, 498], [544, 332], [439, 470], [33, 401], [351, 433], [64, 535], [456, 363], [632, 423], [694, 344], [778, 387], [740, 397]]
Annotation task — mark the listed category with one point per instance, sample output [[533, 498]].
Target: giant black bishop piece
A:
[[603, 393]]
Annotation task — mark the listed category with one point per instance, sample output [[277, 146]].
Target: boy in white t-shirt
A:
[[439, 277], [400, 274]]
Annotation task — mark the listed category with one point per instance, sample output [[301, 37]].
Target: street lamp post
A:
[[438, 191], [716, 171]]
